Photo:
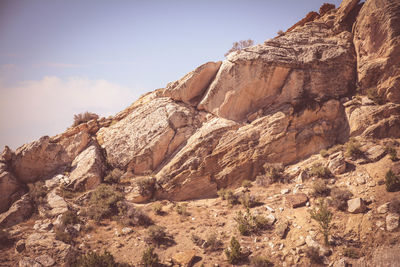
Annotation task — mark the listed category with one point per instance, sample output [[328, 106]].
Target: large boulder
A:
[[87, 169], [304, 65], [150, 133], [18, 212], [192, 86], [10, 190], [377, 44]]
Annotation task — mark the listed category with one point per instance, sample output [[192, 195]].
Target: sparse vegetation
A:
[[238, 46], [392, 153], [157, 208], [84, 117], [261, 261], [324, 153], [394, 206], [113, 176], [280, 33], [229, 196], [273, 173], [248, 224], [323, 217], [103, 202], [150, 258], [69, 217], [181, 210], [313, 254], [373, 94], [353, 149], [131, 215], [351, 252], [392, 182], [234, 252], [317, 170], [146, 186], [63, 235], [93, 258], [38, 192], [248, 201], [156, 234], [246, 184], [340, 198], [212, 243], [320, 188]]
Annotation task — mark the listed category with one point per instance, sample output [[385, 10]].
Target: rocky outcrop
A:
[[192, 86], [10, 190], [303, 66], [376, 40], [18, 212], [87, 169], [56, 204], [311, 16], [150, 133], [44, 157]]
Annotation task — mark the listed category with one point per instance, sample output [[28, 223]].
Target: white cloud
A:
[[35, 108]]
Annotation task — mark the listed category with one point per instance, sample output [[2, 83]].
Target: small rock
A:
[[356, 205], [383, 208], [45, 260], [301, 177], [269, 209], [20, 246], [300, 241], [285, 191], [360, 180], [365, 101], [281, 229], [126, 230], [296, 200], [392, 221], [184, 258], [270, 219]]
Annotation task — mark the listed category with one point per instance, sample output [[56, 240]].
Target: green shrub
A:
[[248, 201], [324, 153], [320, 188], [246, 184], [340, 198], [248, 224], [103, 202], [84, 117], [313, 254], [261, 261], [273, 173], [317, 170], [353, 149], [323, 217], [238, 46], [181, 210], [392, 182], [351, 253], [38, 192], [150, 258], [92, 259], [69, 217], [114, 176], [62, 235], [392, 153], [156, 234], [146, 186], [157, 208], [229, 196], [394, 206], [212, 243], [234, 253], [131, 215]]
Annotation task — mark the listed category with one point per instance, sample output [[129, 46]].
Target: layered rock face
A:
[[377, 43]]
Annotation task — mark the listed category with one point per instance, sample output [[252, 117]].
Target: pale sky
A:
[[63, 57]]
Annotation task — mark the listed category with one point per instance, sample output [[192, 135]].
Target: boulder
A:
[[281, 229], [192, 86], [384, 208], [10, 190], [87, 169], [392, 221], [148, 135], [376, 41], [296, 200], [56, 203], [44, 157], [375, 153], [356, 205], [18, 212], [337, 163], [184, 258], [298, 68]]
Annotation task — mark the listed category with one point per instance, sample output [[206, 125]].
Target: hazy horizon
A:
[[60, 58]]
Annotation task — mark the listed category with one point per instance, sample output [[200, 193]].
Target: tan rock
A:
[[184, 258], [296, 200], [392, 221], [337, 163], [193, 85], [18, 212], [150, 133], [56, 203], [10, 190], [356, 205], [6, 155], [376, 40], [292, 68], [87, 169]]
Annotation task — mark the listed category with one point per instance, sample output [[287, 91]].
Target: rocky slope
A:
[[331, 77]]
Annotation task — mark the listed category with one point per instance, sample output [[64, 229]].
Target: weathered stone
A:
[[270, 219], [281, 229], [6, 155], [126, 230], [392, 221], [10, 190], [296, 200], [56, 181], [184, 258], [150, 133], [376, 40], [337, 163], [56, 203], [375, 153], [192, 86], [20, 246], [45, 260], [87, 169], [18, 212], [28, 262], [314, 244], [356, 205]]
